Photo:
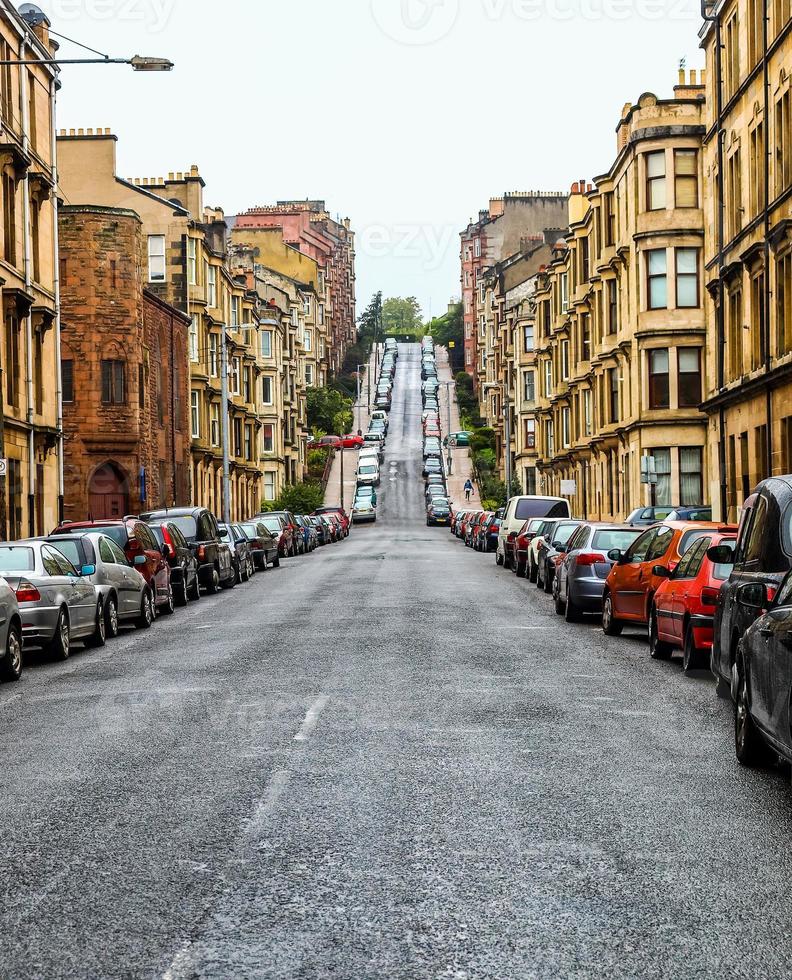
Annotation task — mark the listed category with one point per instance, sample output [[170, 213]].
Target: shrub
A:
[[300, 498]]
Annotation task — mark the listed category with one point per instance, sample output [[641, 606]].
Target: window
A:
[[248, 443], [238, 438], [213, 357], [6, 88], [686, 178], [565, 428], [529, 387], [195, 415], [613, 306], [613, 388], [35, 237], [689, 377], [321, 314], [585, 262], [550, 438], [246, 384], [734, 333], [192, 261], [687, 289], [308, 341], [194, 336], [214, 424], [234, 312], [267, 390], [67, 380], [309, 374], [731, 58], [268, 438], [530, 433], [608, 219], [236, 377], [156, 258], [784, 303], [662, 459], [658, 379], [758, 322], [585, 337], [528, 339], [587, 427], [9, 218], [655, 181], [547, 316], [266, 343], [477, 248], [783, 144], [563, 282], [691, 482], [734, 212], [758, 186], [564, 360], [637, 552], [782, 10], [269, 486], [211, 285], [548, 379], [657, 276], [113, 392]]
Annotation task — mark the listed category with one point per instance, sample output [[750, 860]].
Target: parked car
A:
[[200, 530], [763, 555], [135, 538], [472, 525], [545, 534], [368, 473], [634, 579], [551, 551], [363, 510], [305, 528], [263, 544], [762, 676], [57, 603], [646, 516], [432, 465], [683, 610], [10, 634], [241, 554], [520, 510], [280, 531], [480, 538], [121, 588], [333, 528], [179, 555], [340, 513], [521, 546], [691, 514], [584, 566], [458, 439], [296, 537], [327, 442], [490, 533], [438, 513]]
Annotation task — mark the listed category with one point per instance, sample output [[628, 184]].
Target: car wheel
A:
[[573, 613], [60, 645], [111, 618], [11, 664], [183, 595], [539, 580], [195, 588], [749, 746], [231, 582], [214, 588], [520, 569], [533, 571], [657, 648], [169, 607], [560, 605], [548, 581], [276, 561], [99, 636], [610, 625], [691, 655], [146, 617]]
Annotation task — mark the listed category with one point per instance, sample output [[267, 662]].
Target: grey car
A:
[[57, 602], [11, 634], [123, 591], [580, 578]]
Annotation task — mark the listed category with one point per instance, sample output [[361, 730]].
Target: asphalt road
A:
[[385, 760]]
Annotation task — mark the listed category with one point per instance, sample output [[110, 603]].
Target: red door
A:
[[108, 494]]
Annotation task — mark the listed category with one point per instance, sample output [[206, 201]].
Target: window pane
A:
[[687, 260], [657, 262], [655, 164], [658, 293], [659, 361], [689, 359], [687, 291]]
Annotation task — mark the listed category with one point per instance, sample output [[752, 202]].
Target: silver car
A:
[[11, 634], [123, 592], [57, 603]]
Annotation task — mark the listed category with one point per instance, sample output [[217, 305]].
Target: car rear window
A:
[[72, 551], [118, 534], [690, 537], [17, 560], [529, 507], [607, 540], [272, 524], [156, 531], [564, 532]]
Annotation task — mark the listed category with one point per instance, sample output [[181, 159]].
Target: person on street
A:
[[468, 489]]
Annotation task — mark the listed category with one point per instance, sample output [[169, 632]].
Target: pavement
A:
[[461, 462], [387, 759]]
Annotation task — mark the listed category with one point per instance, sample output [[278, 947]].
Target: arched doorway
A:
[[108, 493]]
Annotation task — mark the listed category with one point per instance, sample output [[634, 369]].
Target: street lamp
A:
[[507, 431], [449, 458]]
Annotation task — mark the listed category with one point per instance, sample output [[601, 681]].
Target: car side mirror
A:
[[615, 555], [88, 570], [721, 554], [753, 596], [660, 571], [140, 560]]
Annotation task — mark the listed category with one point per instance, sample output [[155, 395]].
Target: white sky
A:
[[405, 115]]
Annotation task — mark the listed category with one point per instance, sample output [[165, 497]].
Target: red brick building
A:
[[126, 376]]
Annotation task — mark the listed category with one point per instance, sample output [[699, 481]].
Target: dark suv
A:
[[199, 527], [763, 555], [142, 551]]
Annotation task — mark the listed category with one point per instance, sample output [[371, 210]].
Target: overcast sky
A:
[[405, 115]]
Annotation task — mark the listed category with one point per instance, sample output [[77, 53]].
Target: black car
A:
[[183, 563], [549, 550], [490, 533], [763, 555], [263, 545], [438, 513], [763, 675], [431, 466], [242, 554], [647, 516], [200, 529], [322, 531]]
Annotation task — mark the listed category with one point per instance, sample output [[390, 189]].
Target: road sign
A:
[[569, 488], [451, 344], [3, 467]]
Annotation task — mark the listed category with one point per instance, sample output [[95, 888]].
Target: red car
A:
[[525, 536], [353, 442], [142, 551], [339, 514], [327, 442], [683, 610]]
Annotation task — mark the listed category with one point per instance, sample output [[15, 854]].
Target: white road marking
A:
[[311, 718], [274, 792], [204, 627]]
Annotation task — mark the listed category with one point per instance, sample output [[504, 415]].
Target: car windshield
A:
[[72, 551], [272, 524], [536, 507], [621, 538], [250, 531], [17, 560], [118, 534], [367, 470], [187, 526]]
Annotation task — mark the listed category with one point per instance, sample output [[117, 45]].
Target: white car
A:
[[520, 510], [368, 473]]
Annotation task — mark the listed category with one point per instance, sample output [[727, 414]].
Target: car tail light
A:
[[512, 536], [26, 592], [201, 552], [709, 596], [166, 538], [591, 558], [771, 593]]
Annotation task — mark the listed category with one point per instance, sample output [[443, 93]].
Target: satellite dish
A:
[[32, 14]]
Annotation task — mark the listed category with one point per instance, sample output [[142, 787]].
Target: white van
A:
[[520, 510]]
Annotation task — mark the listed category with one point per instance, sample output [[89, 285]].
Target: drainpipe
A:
[[57, 289], [766, 297], [30, 415]]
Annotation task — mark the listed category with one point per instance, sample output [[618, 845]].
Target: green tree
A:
[[449, 329], [370, 322], [302, 498], [327, 407], [402, 316]]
